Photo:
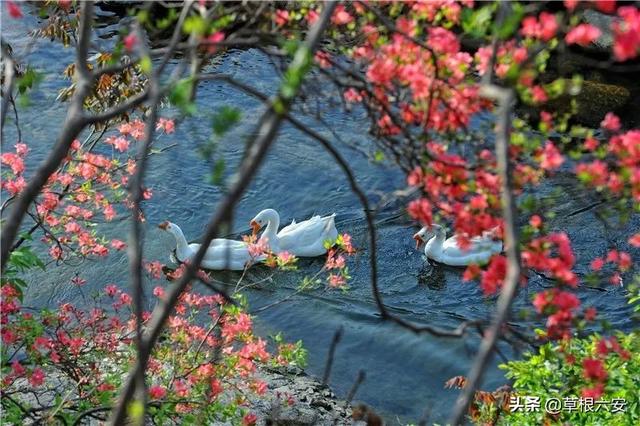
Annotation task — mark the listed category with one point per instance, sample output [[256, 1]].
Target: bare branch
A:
[[332, 351], [505, 99], [84, 40], [9, 75], [268, 127]]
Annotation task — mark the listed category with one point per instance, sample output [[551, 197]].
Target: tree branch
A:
[[268, 127], [505, 99]]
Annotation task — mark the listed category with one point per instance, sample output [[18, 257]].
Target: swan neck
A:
[[182, 247], [271, 231]]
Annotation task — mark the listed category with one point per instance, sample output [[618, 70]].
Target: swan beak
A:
[[418, 241], [255, 226], [164, 225]]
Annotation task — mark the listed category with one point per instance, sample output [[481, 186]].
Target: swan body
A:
[[447, 251], [222, 254], [301, 239]]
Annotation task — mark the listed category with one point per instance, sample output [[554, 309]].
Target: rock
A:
[[593, 102], [603, 22], [295, 399]]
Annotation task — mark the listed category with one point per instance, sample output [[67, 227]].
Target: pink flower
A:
[[158, 292], [606, 6], [118, 245], [421, 210], [634, 240], [341, 16], [535, 221], [571, 4], [312, 17], [125, 299], [214, 39], [119, 143], [168, 126], [21, 149], [17, 368], [14, 161], [352, 95], [281, 17], [157, 392], [154, 269], [626, 42], [538, 94], [14, 9], [37, 377], [249, 419], [611, 122], [548, 26], [14, 186], [594, 392], [597, 264], [594, 369], [55, 252], [591, 144], [583, 35], [111, 290], [147, 193], [336, 281], [109, 212], [130, 42], [551, 157]]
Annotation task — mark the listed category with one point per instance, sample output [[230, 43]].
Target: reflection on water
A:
[[405, 372]]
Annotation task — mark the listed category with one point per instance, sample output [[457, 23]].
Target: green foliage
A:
[[289, 353], [549, 374], [477, 22], [21, 260], [180, 96]]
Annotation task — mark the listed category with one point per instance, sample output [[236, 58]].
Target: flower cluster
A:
[[90, 351]]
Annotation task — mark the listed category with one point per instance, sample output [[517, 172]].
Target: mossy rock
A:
[[593, 102]]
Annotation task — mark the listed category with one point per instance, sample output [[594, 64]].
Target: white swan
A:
[[302, 239], [222, 255], [448, 251]]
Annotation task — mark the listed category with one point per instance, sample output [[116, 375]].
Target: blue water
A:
[[405, 372]]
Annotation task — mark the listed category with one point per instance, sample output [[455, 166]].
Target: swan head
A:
[[168, 226], [262, 218], [425, 233]]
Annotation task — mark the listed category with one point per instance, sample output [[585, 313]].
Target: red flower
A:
[[594, 369], [341, 16], [535, 221], [606, 6], [538, 94], [14, 9], [583, 35], [590, 314], [37, 377], [281, 17], [551, 158], [634, 240], [611, 122], [157, 392], [594, 392], [130, 42], [249, 419], [597, 264], [421, 211], [626, 42]]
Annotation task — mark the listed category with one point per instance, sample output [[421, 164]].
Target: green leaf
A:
[[180, 96], [224, 119], [194, 24], [146, 65]]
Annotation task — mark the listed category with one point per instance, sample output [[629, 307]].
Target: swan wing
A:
[[312, 232]]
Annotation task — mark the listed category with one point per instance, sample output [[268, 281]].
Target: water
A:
[[405, 372]]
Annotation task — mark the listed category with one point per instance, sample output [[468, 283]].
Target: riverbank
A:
[[294, 398]]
